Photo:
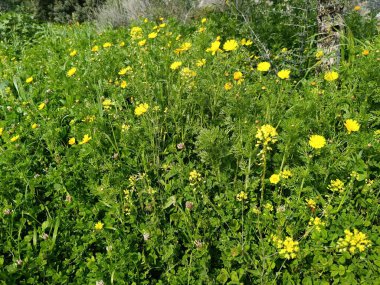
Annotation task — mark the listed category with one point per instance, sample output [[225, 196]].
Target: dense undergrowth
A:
[[171, 154]]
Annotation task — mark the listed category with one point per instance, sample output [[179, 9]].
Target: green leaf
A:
[[223, 276], [171, 201]]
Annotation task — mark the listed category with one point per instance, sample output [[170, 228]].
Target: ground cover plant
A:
[[164, 153]]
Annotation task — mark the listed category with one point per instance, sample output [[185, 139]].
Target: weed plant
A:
[[171, 154]]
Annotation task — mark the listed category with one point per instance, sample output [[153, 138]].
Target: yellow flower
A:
[[201, 29], [263, 66], [107, 45], [41, 106], [336, 185], [34, 126], [201, 62], [241, 196], [163, 25], [230, 45], [141, 109], [71, 141], [175, 65], [228, 86], [365, 52], [289, 248], [245, 42], [353, 242], [123, 84], [311, 203], [194, 177], [86, 139], [351, 125], [187, 72], [284, 74], [29, 80], [317, 223], [152, 35], [184, 47], [238, 77], [331, 76], [286, 174], [317, 141], [215, 47], [136, 33], [73, 53], [107, 103], [266, 134], [142, 43], [319, 54], [71, 72], [95, 48], [121, 44], [204, 20], [124, 71], [274, 179], [99, 226], [15, 138], [125, 127], [357, 8], [1, 131]]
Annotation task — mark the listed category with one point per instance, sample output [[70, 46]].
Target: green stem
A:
[[263, 175]]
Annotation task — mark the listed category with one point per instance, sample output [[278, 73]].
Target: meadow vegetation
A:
[[186, 153]]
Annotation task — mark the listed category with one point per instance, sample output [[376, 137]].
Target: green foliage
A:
[[63, 11], [17, 31], [117, 167]]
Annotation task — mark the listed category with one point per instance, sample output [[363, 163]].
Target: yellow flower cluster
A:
[[107, 103], [286, 174], [311, 203], [187, 72], [336, 186], [245, 42], [275, 178], [353, 241], [141, 109], [241, 196], [266, 134], [194, 177], [319, 54], [127, 198], [316, 223], [288, 248], [136, 33]]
